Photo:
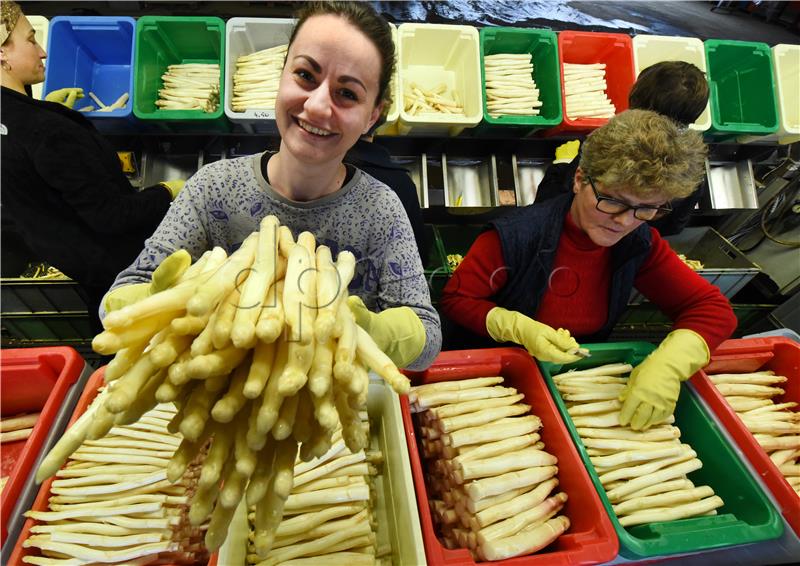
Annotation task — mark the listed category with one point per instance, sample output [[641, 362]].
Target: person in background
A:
[[571, 262], [676, 89], [65, 199], [332, 91]]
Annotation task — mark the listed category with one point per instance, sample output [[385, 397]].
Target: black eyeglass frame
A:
[[658, 211]]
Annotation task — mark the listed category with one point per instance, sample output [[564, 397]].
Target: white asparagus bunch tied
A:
[[112, 502], [255, 82], [493, 487], [419, 101], [329, 514], [190, 86], [585, 91], [644, 473], [510, 88], [775, 426], [260, 353]]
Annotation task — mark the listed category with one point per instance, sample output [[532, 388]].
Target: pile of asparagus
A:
[[584, 90], [435, 101], [255, 82], [112, 502], [510, 88], [260, 353], [190, 86], [329, 513], [643, 472], [775, 426], [491, 483]]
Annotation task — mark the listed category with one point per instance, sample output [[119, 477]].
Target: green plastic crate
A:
[[170, 40], [542, 44], [747, 515], [742, 89]]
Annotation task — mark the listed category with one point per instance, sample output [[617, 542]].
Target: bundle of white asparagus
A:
[[510, 88], [491, 484], [435, 101], [255, 82], [18, 427], [643, 472], [112, 502], [190, 86], [329, 513], [260, 352], [775, 426], [584, 90]]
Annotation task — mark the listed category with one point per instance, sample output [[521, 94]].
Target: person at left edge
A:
[[64, 195]]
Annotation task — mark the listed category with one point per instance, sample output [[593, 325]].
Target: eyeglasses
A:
[[609, 205]]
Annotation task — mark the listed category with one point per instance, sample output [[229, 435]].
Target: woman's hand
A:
[[543, 342], [65, 96], [397, 331], [164, 277]]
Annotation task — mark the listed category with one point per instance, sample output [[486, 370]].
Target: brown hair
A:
[[645, 153], [676, 89], [10, 13], [363, 17]]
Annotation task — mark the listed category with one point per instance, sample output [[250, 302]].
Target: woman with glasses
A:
[[571, 262]]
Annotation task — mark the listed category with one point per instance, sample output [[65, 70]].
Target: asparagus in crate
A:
[[418, 101], [190, 86], [257, 371], [585, 91], [492, 484], [112, 502], [510, 88], [255, 82], [776, 426], [644, 473]]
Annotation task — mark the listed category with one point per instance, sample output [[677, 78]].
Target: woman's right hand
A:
[[164, 277], [543, 342], [65, 96]]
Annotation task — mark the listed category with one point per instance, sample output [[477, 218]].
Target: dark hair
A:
[[676, 89], [363, 17]]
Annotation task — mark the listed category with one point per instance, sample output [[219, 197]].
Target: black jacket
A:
[[64, 194]]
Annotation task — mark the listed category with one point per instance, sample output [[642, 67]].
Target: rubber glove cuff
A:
[[174, 187], [397, 331], [566, 152], [543, 342], [164, 277]]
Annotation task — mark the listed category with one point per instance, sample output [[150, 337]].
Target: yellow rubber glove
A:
[[164, 277], [174, 187], [397, 331], [65, 96], [543, 342], [654, 385], [566, 152]]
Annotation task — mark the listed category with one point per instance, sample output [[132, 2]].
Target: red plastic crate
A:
[[32, 380], [584, 47], [591, 538], [781, 355]]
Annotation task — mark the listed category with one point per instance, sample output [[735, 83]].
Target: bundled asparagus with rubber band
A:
[[510, 88], [255, 82], [775, 425], [493, 487], [644, 473], [263, 359]]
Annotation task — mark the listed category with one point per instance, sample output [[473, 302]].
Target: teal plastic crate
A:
[[747, 516]]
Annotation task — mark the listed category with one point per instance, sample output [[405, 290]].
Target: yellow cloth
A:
[[397, 331], [65, 96], [566, 152], [543, 342], [654, 385], [164, 277], [174, 187]]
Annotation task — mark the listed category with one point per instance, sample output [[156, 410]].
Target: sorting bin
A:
[[542, 45], [244, 36], [741, 89], [586, 47], [780, 355], [41, 27], [94, 53], [43, 380], [590, 538], [432, 54], [169, 40], [651, 49], [747, 516]]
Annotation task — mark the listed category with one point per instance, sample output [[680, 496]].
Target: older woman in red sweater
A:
[[570, 263]]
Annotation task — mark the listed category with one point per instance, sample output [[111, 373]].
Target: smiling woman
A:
[[333, 88]]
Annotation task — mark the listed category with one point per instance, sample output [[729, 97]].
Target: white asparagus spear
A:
[[672, 513]]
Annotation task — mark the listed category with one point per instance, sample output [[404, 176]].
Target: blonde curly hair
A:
[[9, 15], [646, 154]]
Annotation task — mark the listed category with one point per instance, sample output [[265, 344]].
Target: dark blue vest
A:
[[529, 238]]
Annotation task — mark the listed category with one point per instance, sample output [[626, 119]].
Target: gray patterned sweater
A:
[[225, 201]]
